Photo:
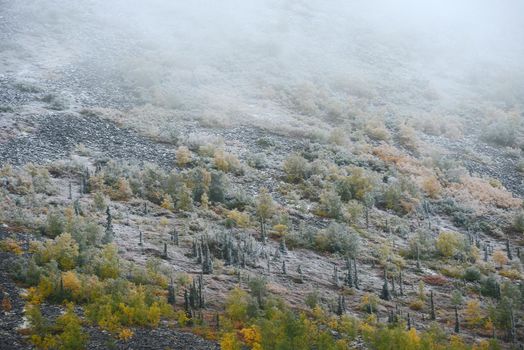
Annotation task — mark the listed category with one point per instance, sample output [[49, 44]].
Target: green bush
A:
[[337, 239], [55, 223], [296, 168], [330, 205], [518, 222], [472, 274]]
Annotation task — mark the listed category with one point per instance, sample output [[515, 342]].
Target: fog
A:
[[257, 59]]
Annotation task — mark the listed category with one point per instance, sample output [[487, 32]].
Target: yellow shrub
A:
[[183, 156], [413, 339], [123, 190], [11, 246], [167, 202], [280, 230], [181, 318], [240, 219], [500, 258], [473, 313], [153, 315], [431, 186], [512, 274], [416, 305], [221, 162], [43, 290], [229, 341], [71, 282], [448, 243], [251, 335], [125, 334]]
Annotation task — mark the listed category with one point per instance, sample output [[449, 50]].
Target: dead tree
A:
[[432, 315]]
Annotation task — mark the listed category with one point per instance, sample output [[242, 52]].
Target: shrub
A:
[[123, 191], [369, 302], [472, 274], [265, 207], [184, 199], [85, 232], [312, 299], [330, 204], [217, 187], [520, 166], [106, 263], [55, 223], [11, 246], [227, 162], [473, 313], [183, 156], [354, 186], [512, 274], [435, 280], [449, 243], [500, 258], [63, 249], [336, 239], [518, 221], [431, 186], [490, 287], [408, 138], [167, 202], [100, 201], [240, 219], [296, 168], [66, 333], [258, 161], [502, 132], [417, 305], [377, 130]]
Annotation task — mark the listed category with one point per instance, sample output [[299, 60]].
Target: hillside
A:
[[312, 181]]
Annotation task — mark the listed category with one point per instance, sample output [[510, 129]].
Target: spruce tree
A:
[[432, 315], [508, 249], [385, 295], [109, 234], [171, 293], [457, 325]]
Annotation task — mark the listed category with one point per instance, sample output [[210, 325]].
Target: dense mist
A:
[[256, 59]]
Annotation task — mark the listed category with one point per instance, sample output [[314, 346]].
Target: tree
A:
[[183, 156], [369, 202], [217, 187], [171, 298], [500, 258], [123, 192], [258, 288], [472, 313], [265, 209], [432, 315], [184, 199], [456, 298], [108, 237], [385, 294], [167, 202]]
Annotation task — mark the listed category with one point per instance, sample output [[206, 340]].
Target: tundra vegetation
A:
[[338, 211]]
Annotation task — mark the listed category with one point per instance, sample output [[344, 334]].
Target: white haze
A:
[[257, 59]]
